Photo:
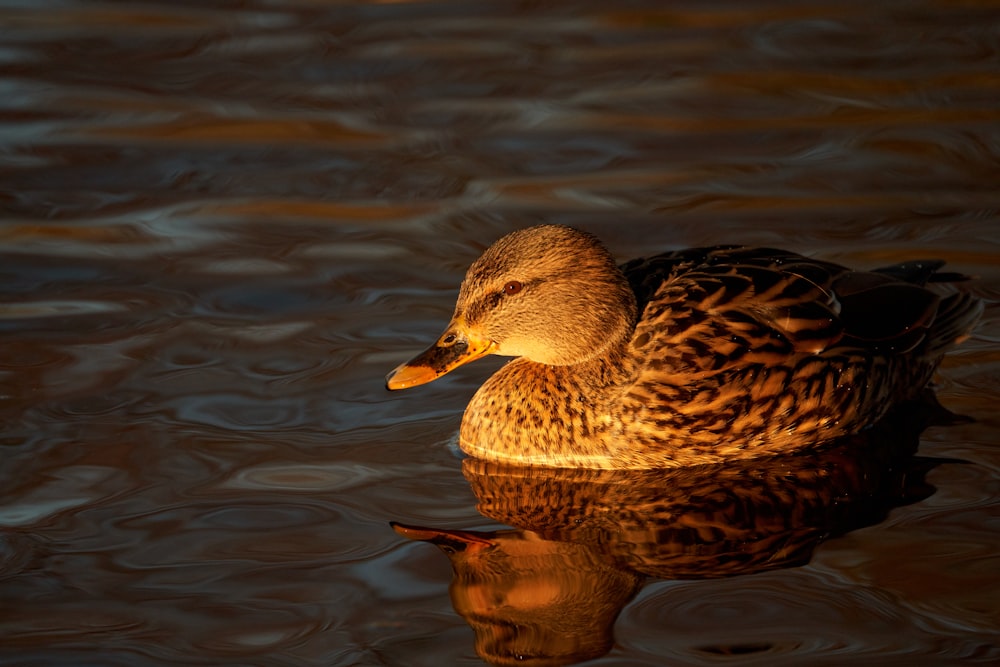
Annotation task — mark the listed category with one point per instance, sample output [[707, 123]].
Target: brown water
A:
[[224, 223]]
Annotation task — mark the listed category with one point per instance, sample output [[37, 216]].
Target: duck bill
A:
[[458, 540], [454, 348]]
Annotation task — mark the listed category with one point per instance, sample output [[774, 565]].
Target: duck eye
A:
[[513, 287]]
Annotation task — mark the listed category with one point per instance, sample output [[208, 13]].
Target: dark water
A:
[[223, 223]]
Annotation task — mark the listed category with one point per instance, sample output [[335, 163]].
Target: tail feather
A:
[[918, 272], [956, 316]]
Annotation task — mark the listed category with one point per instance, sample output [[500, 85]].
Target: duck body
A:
[[689, 357]]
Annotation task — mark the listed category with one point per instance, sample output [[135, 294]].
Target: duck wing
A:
[[708, 309]]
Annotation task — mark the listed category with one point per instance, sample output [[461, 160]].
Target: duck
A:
[[688, 357]]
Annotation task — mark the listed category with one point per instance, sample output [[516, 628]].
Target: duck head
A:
[[551, 294]]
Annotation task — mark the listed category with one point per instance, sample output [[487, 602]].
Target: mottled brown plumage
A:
[[689, 357]]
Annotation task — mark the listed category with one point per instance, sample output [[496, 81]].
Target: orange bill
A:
[[458, 540], [454, 348]]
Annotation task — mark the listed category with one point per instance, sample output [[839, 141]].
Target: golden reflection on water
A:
[[220, 224], [549, 591]]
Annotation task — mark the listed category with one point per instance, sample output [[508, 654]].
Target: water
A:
[[222, 225]]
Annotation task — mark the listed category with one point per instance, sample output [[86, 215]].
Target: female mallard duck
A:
[[689, 357]]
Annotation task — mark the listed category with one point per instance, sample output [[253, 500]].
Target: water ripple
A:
[[224, 224], [764, 617]]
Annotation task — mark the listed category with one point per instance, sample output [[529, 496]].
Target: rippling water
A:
[[223, 223]]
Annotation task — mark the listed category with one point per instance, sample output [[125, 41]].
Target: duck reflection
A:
[[532, 600], [548, 591]]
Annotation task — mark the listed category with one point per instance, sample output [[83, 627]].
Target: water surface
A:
[[223, 223]]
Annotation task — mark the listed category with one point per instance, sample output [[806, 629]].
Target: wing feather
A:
[[708, 309]]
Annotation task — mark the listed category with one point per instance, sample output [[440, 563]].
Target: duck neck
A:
[[612, 367]]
